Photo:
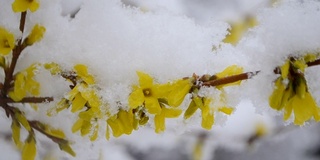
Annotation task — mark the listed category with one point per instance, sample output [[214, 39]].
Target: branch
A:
[[15, 56], [37, 126], [230, 79], [27, 100]]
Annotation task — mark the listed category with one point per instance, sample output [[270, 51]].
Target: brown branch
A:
[[27, 100], [23, 21], [314, 63], [230, 79], [37, 126], [15, 56]]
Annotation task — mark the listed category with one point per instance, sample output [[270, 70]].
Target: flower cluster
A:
[[161, 100], [291, 92]]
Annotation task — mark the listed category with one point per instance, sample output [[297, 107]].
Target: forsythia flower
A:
[[121, 123], [36, 34], [29, 150], [82, 72], [237, 30], [24, 83], [159, 119], [294, 95], [177, 91], [207, 112], [6, 41], [146, 94], [24, 5]]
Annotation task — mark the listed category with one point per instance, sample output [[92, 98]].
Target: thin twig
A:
[[28, 100], [15, 56], [230, 79], [37, 126]]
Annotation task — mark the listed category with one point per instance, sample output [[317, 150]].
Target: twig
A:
[[230, 79], [37, 126], [27, 100], [15, 56]]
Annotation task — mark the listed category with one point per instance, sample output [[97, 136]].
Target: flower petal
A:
[[136, 98], [152, 105]]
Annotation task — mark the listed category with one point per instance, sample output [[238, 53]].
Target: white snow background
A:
[[168, 39]]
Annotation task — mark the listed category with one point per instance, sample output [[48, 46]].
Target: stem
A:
[[27, 100], [15, 56], [23, 21], [36, 125], [230, 79]]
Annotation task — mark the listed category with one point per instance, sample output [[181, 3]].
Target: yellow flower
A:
[[121, 123], [237, 29], [294, 95], [54, 68], [159, 119], [207, 112], [24, 5], [82, 72], [146, 94], [6, 41], [303, 109], [24, 83], [36, 34], [177, 91], [29, 150]]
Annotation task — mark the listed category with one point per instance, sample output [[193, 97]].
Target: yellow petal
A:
[[191, 110], [159, 122], [67, 148], [54, 68], [285, 69], [207, 121], [85, 128], [78, 103], [226, 110], [15, 127], [36, 34], [108, 133], [24, 5], [152, 105], [171, 113], [126, 119], [179, 90], [301, 88], [82, 72], [145, 80], [287, 95], [94, 135], [34, 6], [29, 150], [55, 132], [6, 41], [303, 110], [310, 57], [22, 120], [116, 126], [276, 97], [300, 64], [236, 31], [77, 125], [136, 98], [287, 110]]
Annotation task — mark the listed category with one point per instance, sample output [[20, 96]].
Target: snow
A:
[[168, 40]]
